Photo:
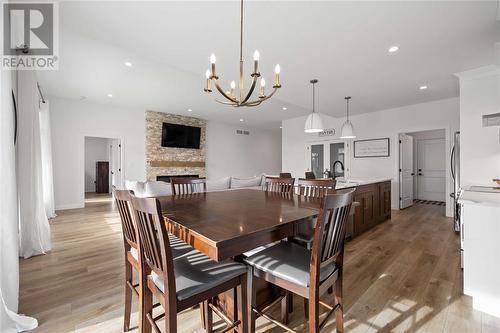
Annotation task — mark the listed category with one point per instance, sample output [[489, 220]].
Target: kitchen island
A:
[[374, 197]]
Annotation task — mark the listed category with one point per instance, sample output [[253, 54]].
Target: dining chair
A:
[[285, 175], [310, 175], [281, 185], [307, 273], [188, 185], [183, 282], [123, 201]]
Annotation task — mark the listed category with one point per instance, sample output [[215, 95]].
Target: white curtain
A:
[[10, 321], [33, 223], [46, 153]]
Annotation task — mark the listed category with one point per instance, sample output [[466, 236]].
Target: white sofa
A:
[[159, 188]]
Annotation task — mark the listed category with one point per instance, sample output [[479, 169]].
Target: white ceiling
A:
[[343, 44]]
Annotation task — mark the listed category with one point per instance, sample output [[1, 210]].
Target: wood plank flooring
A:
[[402, 276]]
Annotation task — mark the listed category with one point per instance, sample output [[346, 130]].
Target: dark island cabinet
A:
[[374, 206]]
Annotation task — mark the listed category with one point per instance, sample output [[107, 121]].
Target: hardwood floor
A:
[[401, 276]]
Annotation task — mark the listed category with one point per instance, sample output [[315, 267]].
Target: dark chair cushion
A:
[[288, 261], [196, 273]]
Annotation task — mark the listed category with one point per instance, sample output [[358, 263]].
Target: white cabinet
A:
[[481, 246]]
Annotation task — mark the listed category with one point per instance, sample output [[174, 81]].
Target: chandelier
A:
[[242, 98]]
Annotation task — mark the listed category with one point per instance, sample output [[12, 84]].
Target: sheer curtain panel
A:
[[33, 223], [46, 150], [10, 321]]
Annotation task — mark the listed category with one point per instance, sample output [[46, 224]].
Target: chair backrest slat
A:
[[329, 234], [123, 199], [188, 185], [316, 188], [280, 185]]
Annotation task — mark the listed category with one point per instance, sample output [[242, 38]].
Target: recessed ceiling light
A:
[[284, 108], [393, 49], [241, 119], [422, 87], [189, 110], [110, 95], [128, 64]]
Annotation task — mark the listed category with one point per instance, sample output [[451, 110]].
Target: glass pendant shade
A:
[[314, 124], [347, 131]]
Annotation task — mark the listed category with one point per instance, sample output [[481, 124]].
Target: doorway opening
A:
[[102, 168], [422, 168]]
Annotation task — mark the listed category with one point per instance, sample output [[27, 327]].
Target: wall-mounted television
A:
[[180, 136]]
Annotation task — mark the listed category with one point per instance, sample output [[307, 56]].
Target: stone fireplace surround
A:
[[166, 161]]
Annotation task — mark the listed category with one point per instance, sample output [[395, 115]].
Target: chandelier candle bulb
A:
[[208, 87], [256, 57], [262, 86], [212, 61], [277, 70]]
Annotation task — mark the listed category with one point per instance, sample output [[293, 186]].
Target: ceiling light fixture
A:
[[422, 87], [347, 131], [244, 98], [284, 108], [393, 49], [128, 64], [241, 119], [314, 124], [110, 95], [189, 110]]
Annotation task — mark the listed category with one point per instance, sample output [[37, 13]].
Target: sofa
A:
[[159, 188]]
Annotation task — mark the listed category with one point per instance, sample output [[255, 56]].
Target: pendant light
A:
[[347, 131], [314, 124]]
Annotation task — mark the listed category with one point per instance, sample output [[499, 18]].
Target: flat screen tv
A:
[[180, 136]]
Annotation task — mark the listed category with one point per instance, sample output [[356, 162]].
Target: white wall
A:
[[71, 121], [381, 124], [479, 146], [96, 150], [228, 154], [231, 154]]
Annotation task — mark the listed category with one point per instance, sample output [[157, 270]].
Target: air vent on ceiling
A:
[[242, 132], [491, 119]]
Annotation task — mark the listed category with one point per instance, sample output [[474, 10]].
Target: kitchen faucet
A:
[[334, 165]]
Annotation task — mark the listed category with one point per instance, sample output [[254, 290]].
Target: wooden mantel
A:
[[173, 164]]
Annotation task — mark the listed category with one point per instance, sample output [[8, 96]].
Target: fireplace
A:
[[167, 178]]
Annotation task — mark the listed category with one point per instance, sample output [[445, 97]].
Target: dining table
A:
[[226, 224]]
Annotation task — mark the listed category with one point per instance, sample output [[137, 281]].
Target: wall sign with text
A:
[[327, 132], [372, 148]]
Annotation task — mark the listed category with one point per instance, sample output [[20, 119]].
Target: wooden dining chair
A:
[[285, 175], [188, 185], [311, 188], [307, 273], [123, 199], [310, 175], [184, 282], [281, 185]]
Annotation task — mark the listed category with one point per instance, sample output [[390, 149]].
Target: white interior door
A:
[[405, 170], [115, 165], [431, 169]]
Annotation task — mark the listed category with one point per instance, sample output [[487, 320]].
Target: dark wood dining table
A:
[[225, 224]]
